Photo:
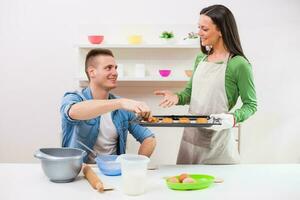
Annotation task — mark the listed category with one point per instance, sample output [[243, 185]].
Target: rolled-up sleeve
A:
[[139, 132], [68, 100]]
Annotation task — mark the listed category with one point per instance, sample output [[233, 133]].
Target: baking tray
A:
[[176, 123]]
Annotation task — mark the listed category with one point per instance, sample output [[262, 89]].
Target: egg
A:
[[182, 177], [173, 179], [189, 180]]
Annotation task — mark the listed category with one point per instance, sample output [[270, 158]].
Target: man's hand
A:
[[138, 107], [169, 99], [227, 121]]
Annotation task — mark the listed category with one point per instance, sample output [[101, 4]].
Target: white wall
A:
[[38, 62]]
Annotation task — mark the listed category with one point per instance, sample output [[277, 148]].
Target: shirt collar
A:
[[87, 93]]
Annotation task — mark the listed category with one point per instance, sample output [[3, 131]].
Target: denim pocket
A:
[[86, 128]]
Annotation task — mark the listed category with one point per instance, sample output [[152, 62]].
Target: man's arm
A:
[[90, 109], [147, 147]]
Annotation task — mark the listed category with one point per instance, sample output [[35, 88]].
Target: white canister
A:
[[120, 70], [140, 70]]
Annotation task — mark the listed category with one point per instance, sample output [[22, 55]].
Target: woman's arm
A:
[[246, 88], [180, 98]]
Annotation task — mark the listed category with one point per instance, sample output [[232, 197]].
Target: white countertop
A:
[[277, 181]]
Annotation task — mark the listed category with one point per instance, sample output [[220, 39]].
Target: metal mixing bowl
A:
[[61, 165]]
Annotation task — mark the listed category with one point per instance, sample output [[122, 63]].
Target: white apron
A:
[[205, 146]]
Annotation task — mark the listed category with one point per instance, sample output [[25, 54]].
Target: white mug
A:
[[140, 70]]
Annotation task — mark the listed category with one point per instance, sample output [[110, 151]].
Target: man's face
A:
[[104, 72]]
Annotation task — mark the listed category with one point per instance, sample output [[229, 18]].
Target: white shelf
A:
[[144, 82], [178, 56], [139, 46], [146, 78]]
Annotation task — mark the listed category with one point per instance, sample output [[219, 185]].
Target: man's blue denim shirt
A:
[[87, 130]]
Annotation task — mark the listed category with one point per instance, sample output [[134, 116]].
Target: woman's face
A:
[[208, 31]]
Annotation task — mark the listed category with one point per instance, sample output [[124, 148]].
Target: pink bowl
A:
[[164, 72], [95, 39]]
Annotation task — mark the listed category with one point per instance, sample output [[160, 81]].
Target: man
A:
[[99, 119]]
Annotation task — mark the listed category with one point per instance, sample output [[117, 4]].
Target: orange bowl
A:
[[95, 39], [188, 73]]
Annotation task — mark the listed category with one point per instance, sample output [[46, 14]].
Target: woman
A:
[[221, 74]]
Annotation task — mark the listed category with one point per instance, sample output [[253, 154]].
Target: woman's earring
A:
[[208, 48]]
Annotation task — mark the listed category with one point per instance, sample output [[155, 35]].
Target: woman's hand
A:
[[169, 99]]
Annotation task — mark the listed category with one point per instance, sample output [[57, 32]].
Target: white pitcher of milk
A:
[[134, 173]]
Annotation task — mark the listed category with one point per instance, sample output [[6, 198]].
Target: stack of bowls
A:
[[61, 165]]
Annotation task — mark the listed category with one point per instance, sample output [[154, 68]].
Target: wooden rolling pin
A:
[[93, 179]]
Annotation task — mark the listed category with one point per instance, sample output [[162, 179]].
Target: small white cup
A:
[[140, 70]]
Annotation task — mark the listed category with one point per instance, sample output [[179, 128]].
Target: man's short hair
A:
[[89, 60]]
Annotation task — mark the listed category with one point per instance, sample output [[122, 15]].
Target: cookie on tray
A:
[[202, 120], [184, 120], [153, 119], [167, 120]]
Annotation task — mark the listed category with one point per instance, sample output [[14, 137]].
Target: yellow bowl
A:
[[135, 39]]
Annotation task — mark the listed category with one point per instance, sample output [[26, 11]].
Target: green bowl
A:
[[202, 181]]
